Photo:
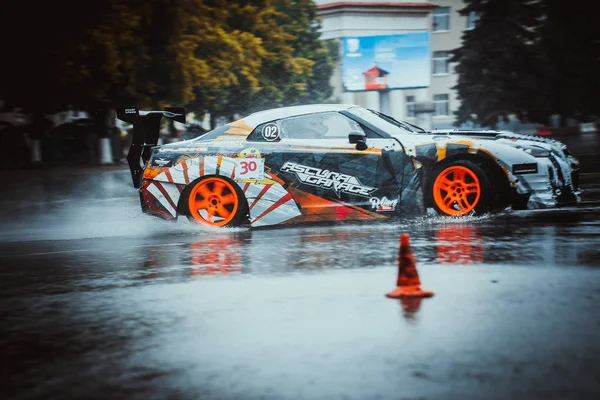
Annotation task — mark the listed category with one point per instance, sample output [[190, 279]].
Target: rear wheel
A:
[[215, 201], [460, 188]]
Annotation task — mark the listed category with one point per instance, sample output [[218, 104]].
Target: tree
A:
[[499, 62], [533, 58], [148, 53], [305, 28], [154, 53], [295, 65]]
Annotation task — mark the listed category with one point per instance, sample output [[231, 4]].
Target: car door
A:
[[321, 168]]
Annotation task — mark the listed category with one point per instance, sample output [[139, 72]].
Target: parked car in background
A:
[[72, 142], [13, 139]]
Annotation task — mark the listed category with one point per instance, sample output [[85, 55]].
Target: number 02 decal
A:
[[270, 132], [252, 169]]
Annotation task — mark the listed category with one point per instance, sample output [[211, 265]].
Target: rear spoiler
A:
[[146, 127]]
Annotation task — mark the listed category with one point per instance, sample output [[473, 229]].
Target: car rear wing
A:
[[146, 128]]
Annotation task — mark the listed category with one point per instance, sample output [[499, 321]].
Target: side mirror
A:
[[359, 138]]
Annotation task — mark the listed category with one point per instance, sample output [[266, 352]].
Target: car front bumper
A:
[[555, 184]]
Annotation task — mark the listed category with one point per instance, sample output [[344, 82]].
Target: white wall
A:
[[446, 41], [352, 23]]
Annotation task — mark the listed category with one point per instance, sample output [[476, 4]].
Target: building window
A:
[[441, 19], [442, 107], [472, 19], [410, 106], [440, 62]]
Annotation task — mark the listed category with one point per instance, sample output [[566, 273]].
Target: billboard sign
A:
[[398, 61]]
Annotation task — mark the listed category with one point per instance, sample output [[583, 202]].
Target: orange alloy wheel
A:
[[213, 201], [456, 190]]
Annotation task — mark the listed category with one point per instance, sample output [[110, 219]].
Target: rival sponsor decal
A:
[[328, 179], [182, 149], [250, 152], [520, 169], [225, 143], [383, 204], [161, 162]]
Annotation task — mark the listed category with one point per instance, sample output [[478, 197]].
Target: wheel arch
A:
[[497, 177]]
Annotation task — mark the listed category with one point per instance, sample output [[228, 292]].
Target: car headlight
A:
[[535, 151]]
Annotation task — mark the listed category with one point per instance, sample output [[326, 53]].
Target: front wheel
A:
[[460, 188], [215, 201]]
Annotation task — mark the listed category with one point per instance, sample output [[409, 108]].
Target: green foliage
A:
[[151, 53], [295, 66], [498, 61], [524, 57]]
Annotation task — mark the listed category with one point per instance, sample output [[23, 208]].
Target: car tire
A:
[[460, 188], [215, 201]]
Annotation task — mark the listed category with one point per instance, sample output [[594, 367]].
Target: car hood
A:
[[504, 137], [498, 135]]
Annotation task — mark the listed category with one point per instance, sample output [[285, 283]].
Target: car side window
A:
[[328, 125], [268, 132], [371, 133]]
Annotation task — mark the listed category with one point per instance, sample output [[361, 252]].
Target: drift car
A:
[[340, 163]]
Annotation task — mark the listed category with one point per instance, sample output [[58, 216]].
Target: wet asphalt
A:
[[98, 301]]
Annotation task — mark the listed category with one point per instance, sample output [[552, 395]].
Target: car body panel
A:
[[554, 176], [301, 182]]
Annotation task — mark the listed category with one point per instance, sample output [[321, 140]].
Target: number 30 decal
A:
[[247, 166], [251, 169], [270, 132]]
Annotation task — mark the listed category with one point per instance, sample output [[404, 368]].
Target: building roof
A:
[[362, 4], [376, 71]]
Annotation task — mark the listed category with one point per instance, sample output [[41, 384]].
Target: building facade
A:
[[385, 26]]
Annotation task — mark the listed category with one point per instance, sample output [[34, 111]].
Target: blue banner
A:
[[386, 62]]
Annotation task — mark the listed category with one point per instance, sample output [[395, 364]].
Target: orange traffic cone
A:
[[409, 284]]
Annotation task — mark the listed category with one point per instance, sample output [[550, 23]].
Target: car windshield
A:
[[385, 122]]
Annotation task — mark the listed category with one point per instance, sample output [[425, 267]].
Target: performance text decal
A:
[[328, 179]]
